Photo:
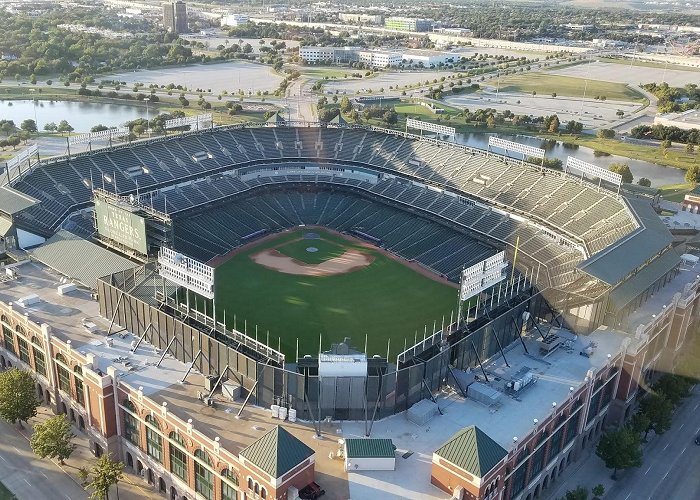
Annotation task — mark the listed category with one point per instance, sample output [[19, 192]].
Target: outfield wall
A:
[[341, 398]]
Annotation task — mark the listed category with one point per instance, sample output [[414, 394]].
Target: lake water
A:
[[81, 115], [657, 174]]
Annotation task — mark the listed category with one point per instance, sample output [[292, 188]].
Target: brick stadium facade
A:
[[533, 463], [169, 453]]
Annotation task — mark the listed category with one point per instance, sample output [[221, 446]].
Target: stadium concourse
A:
[[589, 265]]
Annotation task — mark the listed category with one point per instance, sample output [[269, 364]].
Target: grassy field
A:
[[675, 192], [385, 300], [567, 86], [648, 64]]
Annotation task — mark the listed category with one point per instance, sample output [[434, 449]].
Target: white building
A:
[[380, 58], [687, 120], [428, 58], [313, 54], [234, 20], [369, 454]]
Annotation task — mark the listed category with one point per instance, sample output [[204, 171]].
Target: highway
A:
[[29, 477], [671, 462]]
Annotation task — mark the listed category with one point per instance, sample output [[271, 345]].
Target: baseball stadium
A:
[[324, 235], [346, 274]]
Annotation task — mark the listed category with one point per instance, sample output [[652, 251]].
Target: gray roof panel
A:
[[13, 201], [79, 259], [632, 287], [617, 261]]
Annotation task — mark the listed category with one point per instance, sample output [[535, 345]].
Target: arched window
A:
[[20, 330], [63, 373], [229, 484], [9, 338], [203, 477], [250, 484], [178, 456], [79, 390], [257, 488], [154, 441], [23, 350], [132, 431], [39, 359], [263, 493]]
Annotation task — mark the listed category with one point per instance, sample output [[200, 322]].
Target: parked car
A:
[[697, 439]]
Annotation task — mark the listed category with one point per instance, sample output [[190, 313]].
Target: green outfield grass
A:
[[385, 300], [567, 86]]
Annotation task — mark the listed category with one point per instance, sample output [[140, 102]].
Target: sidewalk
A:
[[131, 487]]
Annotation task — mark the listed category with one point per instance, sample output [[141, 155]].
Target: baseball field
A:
[[310, 282]]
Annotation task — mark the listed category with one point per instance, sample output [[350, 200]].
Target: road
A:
[[669, 469], [671, 462], [29, 477]]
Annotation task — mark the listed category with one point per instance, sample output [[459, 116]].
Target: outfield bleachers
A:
[[567, 207]]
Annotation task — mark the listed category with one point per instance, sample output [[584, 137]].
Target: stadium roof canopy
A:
[[79, 259], [627, 291], [618, 261], [13, 201]]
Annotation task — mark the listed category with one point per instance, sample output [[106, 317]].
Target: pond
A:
[[81, 115], [659, 175]]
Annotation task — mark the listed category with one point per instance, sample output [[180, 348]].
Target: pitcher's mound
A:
[[352, 260]]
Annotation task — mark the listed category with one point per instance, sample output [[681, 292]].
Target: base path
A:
[[352, 260]]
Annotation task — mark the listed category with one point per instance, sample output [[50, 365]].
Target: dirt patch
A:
[[352, 260]]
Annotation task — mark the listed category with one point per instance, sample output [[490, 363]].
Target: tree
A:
[[620, 449], [643, 181], [693, 174], [551, 124], [689, 148], [641, 423], [580, 493], [623, 169], [52, 439], [673, 387], [18, 401], [574, 127], [64, 126], [13, 141], [322, 101], [29, 126], [105, 473], [605, 133], [665, 144], [598, 491], [24, 136], [51, 127], [345, 105], [620, 113], [659, 409]]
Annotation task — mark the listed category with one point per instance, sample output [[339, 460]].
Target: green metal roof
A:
[[473, 450], [617, 261], [369, 448], [277, 452]]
